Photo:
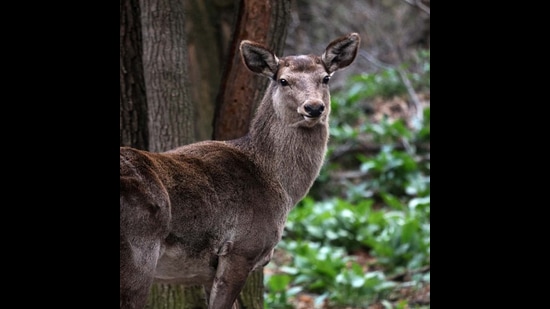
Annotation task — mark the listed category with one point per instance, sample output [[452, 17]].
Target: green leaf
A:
[[386, 285], [278, 282], [357, 281], [392, 201], [289, 270], [413, 203], [386, 304], [410, 229], [294, 290]]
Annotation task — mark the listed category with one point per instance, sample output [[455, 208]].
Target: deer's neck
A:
[[292, 155]]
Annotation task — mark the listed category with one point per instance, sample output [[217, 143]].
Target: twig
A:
[[414, 98], [419, 4], [409, 272], [373, 60]]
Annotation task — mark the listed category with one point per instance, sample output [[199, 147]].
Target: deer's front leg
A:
[[231, 275]]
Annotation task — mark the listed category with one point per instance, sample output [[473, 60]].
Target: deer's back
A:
[[214, 182]]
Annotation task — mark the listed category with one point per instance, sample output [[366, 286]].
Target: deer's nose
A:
[[314, 109]]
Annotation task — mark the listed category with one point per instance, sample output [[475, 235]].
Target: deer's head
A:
[[300, 90]]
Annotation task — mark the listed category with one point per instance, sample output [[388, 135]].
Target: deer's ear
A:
[[341, 52], [259, 59]]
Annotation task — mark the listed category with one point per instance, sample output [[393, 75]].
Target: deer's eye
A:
[[283, 82], [326, 79]]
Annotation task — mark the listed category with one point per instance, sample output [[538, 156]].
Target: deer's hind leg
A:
[[138, 259], [231, 275], [144, 221]]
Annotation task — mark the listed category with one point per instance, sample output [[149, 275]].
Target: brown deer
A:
[[209, 213]]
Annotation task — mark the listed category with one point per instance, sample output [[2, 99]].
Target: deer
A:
[[211, 212]]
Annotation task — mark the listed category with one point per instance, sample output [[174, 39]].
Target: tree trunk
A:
[[133, 105], [252, 296], [207, 40], [170, 112], [172, 296]]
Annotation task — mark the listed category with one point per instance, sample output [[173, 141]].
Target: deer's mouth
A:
[[311, 118]]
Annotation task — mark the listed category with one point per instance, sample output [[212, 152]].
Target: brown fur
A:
[[210, 212]]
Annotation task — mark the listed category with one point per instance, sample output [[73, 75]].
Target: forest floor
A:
[[416, 297]]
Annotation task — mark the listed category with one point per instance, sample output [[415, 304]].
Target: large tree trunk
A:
[[207, 33], [166, 79], [133, 104]]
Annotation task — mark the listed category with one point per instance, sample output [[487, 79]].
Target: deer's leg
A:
[[138, 260], [208, 289], [140, 245], [231, 276], [144, 221]]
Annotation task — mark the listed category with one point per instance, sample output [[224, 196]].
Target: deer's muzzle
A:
[[312, 109]]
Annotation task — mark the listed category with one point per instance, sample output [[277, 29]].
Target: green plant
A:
[[357, 288], [333, 222], [404, 241], [314, 265], [278, 292]]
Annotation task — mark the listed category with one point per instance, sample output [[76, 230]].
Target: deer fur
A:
[[209, 213]]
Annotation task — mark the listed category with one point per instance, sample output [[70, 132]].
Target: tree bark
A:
[[173, 296], [252, 296], [206, 39], [170, 112], [241, 91], [133, 105]]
